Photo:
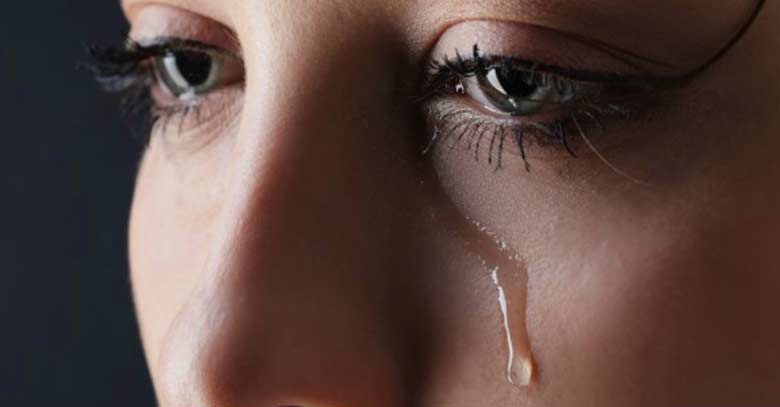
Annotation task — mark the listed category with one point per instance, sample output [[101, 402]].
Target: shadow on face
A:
[[363, 203]]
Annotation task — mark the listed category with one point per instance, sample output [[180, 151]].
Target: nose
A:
[[305, 300]]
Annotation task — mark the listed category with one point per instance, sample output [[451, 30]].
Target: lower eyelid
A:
[[191, 127], [487, 138], [546, 115], [494, 139]]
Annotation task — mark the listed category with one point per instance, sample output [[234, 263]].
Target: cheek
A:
[[171, 228], [684, 314], [669, 308], [636, 291]]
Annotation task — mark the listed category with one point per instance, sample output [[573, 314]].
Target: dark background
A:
[[68, 335]]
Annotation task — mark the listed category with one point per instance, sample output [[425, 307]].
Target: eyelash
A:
[[130, 72], [612, 96]]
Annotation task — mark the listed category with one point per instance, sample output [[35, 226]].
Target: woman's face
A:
[[372, 203]]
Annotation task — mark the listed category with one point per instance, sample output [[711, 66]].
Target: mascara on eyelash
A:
[[616, 97], [117, 68], [127, 70], [479, 63]]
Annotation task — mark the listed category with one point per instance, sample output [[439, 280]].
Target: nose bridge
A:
[[320, 134], [297, 305], [319, 188]]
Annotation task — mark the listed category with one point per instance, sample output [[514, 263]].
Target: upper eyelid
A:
[[591, 87], [211, 11], [480, 60], [161, 44]]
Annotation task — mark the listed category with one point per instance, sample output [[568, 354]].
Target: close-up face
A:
[[449, 203]]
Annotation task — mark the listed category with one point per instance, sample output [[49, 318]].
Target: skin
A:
[[299, 250]]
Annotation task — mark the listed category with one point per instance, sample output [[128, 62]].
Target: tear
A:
[[509, 276]]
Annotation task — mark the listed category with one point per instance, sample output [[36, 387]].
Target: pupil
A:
[[194, 67], [517, 83]]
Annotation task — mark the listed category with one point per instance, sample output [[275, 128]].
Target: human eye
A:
[[507, 90], [509, 87], [188, 70], [501, 102], [172, 84]]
